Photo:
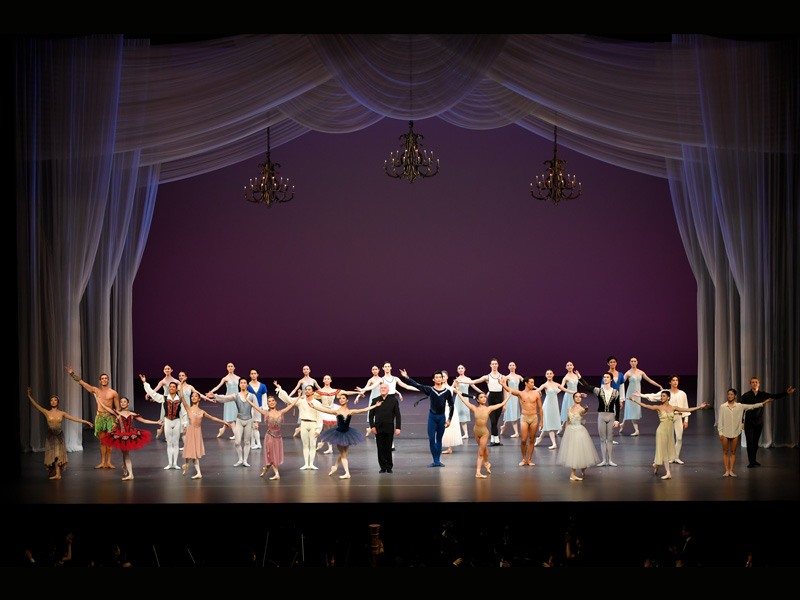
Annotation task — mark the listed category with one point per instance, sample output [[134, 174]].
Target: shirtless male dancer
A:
[[530, 402], [104, 421]]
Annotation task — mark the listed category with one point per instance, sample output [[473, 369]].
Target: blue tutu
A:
[[342, 435]]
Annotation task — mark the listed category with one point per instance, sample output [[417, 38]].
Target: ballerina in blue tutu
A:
[[342, 436]]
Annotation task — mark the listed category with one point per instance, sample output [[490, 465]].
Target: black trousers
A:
[[383, 442], [752, 433]]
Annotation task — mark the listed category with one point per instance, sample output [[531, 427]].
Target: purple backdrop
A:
[[463, 267]]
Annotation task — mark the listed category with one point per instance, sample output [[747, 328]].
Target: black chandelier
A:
[[268, 190], [555, 185], [411, 162]]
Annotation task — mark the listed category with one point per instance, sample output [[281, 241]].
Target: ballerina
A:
[[729, 426], [577, 450], [511, 414], [231, 383], [273, 441], [258, 389], [452, 435], [481, 413], [633, 412], [551, 421], [55, 451], [463, 412], [570, 381], [194, 449], [301, 385], [325, 395], [665, 437], [126, 437], [496, 396], [343, 435]]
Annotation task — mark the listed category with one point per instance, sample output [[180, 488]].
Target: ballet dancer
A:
[[577, 450], [482, 413], [729, 426], [496, 396], [392, 382], [440, 397], [343, 436], [569, 381], [618, 383], [551, 420], [231, 383], [107, 404], [754, 421], [679, 400], [259, 390], [243, 429], [310, 426], [168, 378], [633, 412], [530, 400], [374, 391], [125, 437], [273, 441], [326, 395], [452, 435], [174, 419], [667, 413], [607, 415], [55, 451], [511, 414], [194, 449], [300, 389], [463, 412]]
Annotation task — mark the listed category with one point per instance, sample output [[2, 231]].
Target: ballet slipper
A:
[[480, 475], [276, 476], [328, 451], [732, 474], [553, 447], [448, 451], [523, 463], [264, 471], [334, 468], [575, 478], [197, 476], [667, 476], [128, 478], [345, 476]]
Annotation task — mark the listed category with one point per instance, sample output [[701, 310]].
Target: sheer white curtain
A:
[[722, 115]]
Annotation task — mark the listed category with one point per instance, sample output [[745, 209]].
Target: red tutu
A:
[[125, 436]]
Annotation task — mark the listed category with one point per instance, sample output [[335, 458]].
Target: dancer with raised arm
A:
[[392, 382], [511, 413], [607, 415], [754, 420], [273, 440], [464, 412], [633, 412], [482, 413], [667, 413], [552, 420], [55, 451], [125, 437], [577, 450], [438, 416], [164, 383], [300, 389], [310, 426], [326, 395], [452, 434], [679, 400], [729, 426], [107, 406], [374, 391], [496, 396], [343, 436], [530, 400], [231, 383], [259, 390], [194, 448], [243, 429], [174, 419]]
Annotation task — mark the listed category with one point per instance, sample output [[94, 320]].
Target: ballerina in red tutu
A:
[[126, 437]]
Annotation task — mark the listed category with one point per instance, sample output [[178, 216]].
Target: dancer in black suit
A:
[[385, 424]]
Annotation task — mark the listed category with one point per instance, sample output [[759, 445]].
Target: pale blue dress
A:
[[550, 410], [567, 401], [512, 406], [230, 410], [633, 412], [463, 411]]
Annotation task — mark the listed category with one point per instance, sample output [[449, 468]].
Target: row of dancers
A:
[[181, 415]]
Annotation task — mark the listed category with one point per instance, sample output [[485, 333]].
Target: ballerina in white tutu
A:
[[577, 450]]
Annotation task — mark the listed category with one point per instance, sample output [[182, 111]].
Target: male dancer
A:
[[607, 413], [175, 419], [103, 421], [385, 424], [496, 395], [754, 419], [243, 429], [310, 426], [530, 402], [440, 396]]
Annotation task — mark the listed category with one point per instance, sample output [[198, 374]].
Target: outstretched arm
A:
[[370, 407], [89, 388], [469, 406], [36, 404]]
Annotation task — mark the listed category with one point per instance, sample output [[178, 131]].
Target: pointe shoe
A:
[[197, 476], [448, 451], [328, 451], [575, 478], [732, 474], [274, 477], [553, 447], [313, 467], [367, 432], [334, 468], [668, 476], [320, 445], [679, 461], [128, 478], [221, 431], [634, 434], [523, 463], [168, 467], [612, 464], [602, 464], [488, 467], [345, 476], [239, 463], [480, 476], [296, 431], [185, 466], [263, 472], [516, 435]]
